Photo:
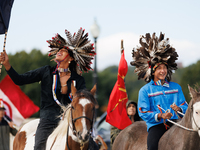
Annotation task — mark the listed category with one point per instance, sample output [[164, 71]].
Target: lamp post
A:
[[95, 33]]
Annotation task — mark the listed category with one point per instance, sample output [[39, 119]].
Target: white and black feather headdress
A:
[[78, 44], [153, 50]]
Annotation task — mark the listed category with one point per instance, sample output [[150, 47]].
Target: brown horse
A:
[[134, 137], [73, 131]]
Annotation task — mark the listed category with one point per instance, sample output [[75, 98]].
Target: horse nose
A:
[[83, 136], [86, 137], [79, 135]]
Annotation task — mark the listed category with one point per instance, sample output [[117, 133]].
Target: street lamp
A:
[[95, 30]]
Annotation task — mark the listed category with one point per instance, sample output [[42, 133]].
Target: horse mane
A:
[[85, 93], [197, 88], [197, 91], [62, 127]]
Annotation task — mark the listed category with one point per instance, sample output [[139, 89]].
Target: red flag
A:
[[18, 105], [116, 111]]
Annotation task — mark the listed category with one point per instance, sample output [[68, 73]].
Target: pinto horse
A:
[[73, 131], [187, 137]]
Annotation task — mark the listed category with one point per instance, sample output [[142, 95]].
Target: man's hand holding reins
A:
[[175, 108], [166, 115]]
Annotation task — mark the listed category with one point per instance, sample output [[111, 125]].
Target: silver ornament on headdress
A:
[[78, 44], [153, 50]]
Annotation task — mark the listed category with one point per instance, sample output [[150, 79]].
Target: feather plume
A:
[[69, 37], [152, 51], [82, 49], [77, 37]]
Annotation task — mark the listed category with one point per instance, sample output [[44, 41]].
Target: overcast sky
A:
[[33, 22]]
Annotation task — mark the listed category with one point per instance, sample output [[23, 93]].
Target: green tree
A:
[[190, 77], [133, 85], [23, 62]]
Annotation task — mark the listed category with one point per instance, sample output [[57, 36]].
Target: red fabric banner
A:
[[18, 105], [116, 111]]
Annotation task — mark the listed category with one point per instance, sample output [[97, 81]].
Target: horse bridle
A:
[[193, 117], [74, 120], [74, 130]]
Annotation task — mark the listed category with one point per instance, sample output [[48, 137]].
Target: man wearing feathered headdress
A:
[[159, 99], [72, 57]]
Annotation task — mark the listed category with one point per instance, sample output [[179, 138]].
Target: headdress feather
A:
[[82, 49], [152, 51]]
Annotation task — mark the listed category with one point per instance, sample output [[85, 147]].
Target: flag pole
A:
[[122, 47], [4, 45]]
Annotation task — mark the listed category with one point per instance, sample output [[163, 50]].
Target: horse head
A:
[[195, 107], [82, 113]]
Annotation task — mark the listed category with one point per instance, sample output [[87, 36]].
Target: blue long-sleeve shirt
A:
[[153, 94]]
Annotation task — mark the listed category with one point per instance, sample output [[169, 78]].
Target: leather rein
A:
[[183, 115], [73, 126]]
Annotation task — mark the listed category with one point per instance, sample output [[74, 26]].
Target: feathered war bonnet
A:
[[81, 48], [152, 52]]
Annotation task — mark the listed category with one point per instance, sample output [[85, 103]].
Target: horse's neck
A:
[[191, 138], [184, 139], [186, 121]]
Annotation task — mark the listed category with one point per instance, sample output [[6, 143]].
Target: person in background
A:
[[6, 127], [131, 109], [160, 99]]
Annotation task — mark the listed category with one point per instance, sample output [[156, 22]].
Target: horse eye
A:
[[197, 113]]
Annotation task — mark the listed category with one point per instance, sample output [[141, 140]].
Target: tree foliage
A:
[[190, 76], [23, 62]]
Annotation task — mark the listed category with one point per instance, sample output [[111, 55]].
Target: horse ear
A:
[[193, 93], [73, 89], [93, 90]]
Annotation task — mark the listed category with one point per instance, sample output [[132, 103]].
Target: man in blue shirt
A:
[[159, 99]]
